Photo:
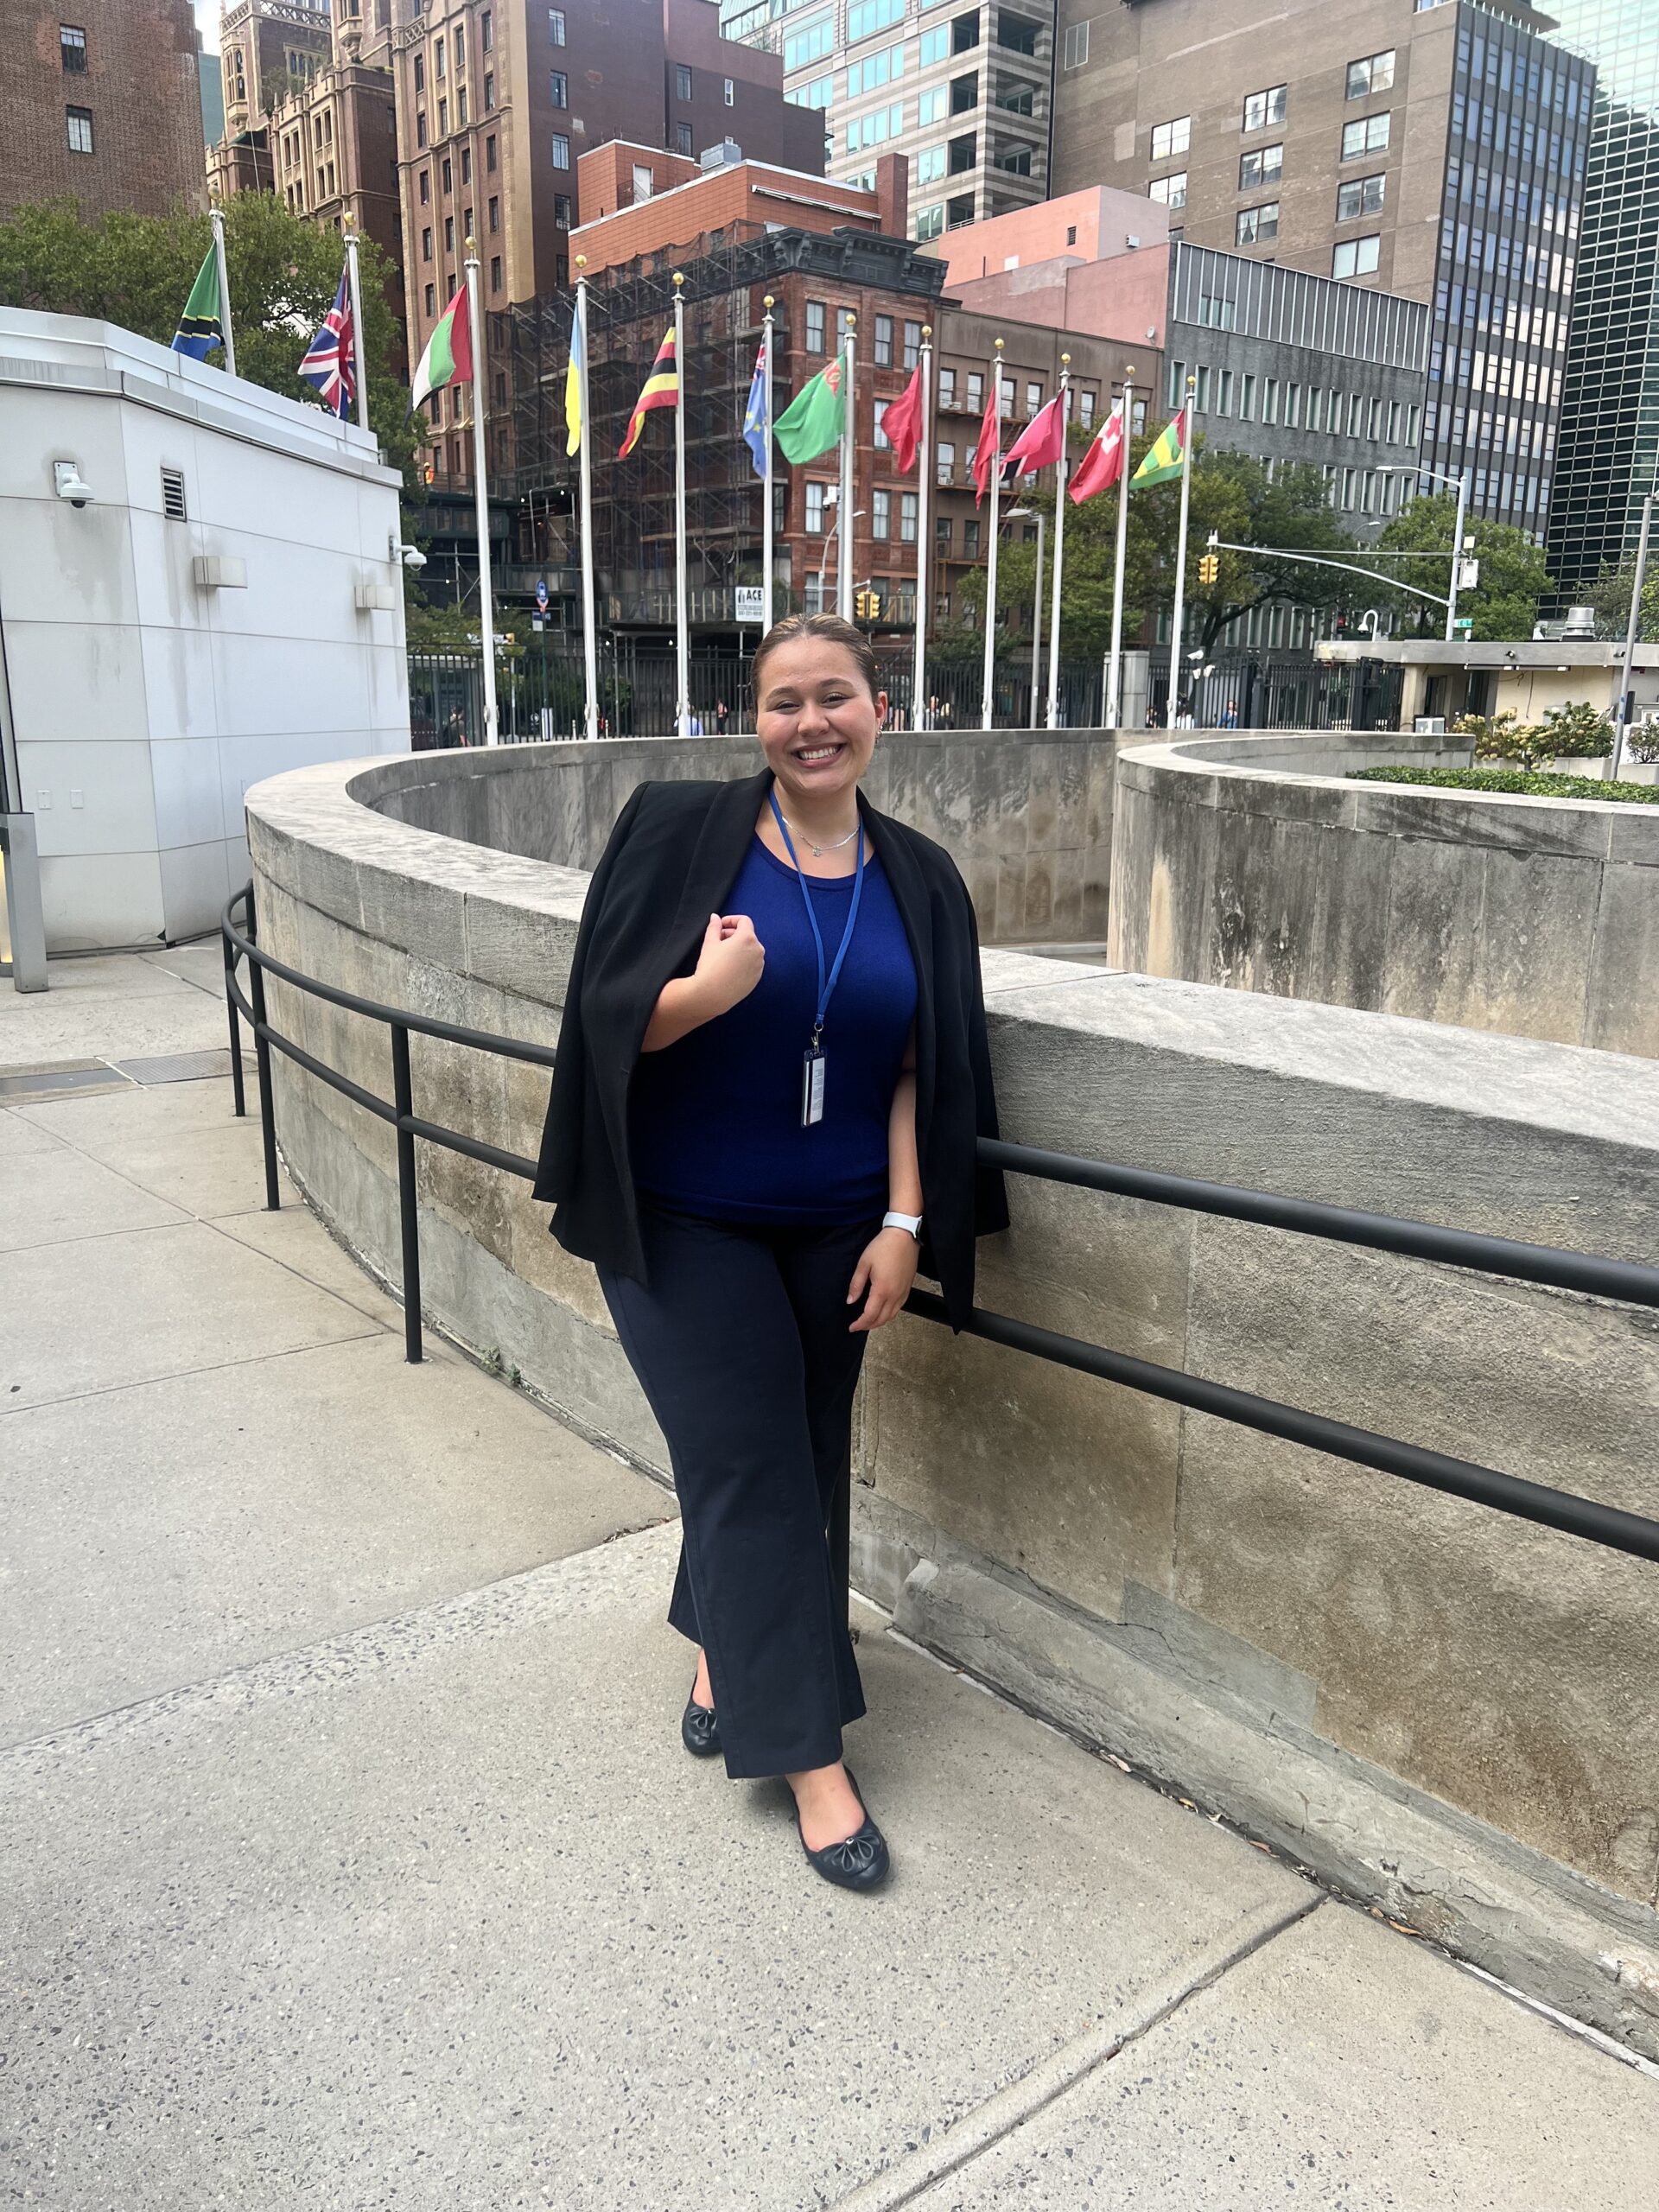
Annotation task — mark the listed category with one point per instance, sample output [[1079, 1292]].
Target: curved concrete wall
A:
[[1448, 1712], [1252, 863]]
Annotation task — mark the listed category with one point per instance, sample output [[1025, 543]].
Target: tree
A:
[[1513, 577], [1609, 595], [1231, 495], [136, 271]]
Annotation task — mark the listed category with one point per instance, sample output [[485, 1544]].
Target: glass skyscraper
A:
[[1609, 439]]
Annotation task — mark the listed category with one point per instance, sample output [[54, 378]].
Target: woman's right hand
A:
[[730, 963]]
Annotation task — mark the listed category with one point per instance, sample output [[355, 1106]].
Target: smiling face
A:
[[816, 718]]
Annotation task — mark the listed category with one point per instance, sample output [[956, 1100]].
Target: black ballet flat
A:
[[699, 1730], [860, 1861]]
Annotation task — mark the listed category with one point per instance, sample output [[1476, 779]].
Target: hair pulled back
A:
[[833, 630]]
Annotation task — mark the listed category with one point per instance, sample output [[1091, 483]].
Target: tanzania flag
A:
[[448, 355], [661, 389], [199, 327], [572, 382], [1165, 459], [812, 422]]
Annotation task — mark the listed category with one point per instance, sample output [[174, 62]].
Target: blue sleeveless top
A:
[[715, 1119]]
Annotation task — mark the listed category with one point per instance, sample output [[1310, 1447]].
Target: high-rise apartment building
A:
[[1437, 151], [1609, 448], [102, 103], [962, 91]]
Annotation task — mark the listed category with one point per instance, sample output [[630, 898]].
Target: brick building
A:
[[267, 50], [105, 108]]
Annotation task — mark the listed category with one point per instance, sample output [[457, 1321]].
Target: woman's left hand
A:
[[885, 1270]]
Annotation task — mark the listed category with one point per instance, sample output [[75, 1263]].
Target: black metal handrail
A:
[[1583, 1272]]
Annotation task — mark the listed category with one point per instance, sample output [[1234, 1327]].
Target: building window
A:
[[489, 154], [883, 355], [438, 53], [881, 514], [1169, 139], [865, 17], [1247, 400], [1005, 400], [1223, 391], [80, 120], [1355, 257], [1374, 74], [1033, 400], [495, 212], [447, 172], [495, 272], [815, 492], [682, 137], [1075, 52], [1256, 225], [431, 303], [426, 244], [944, 461], [558, 86], [1370, 135], [561, 211], [1262, 109], [449, 233], [460, 104], [929, 168], [1363, 197], [1270, 400], [907, 515], [72, 48], [913, 344], [843, 324], [947, 387], [443, 118], [1169, 191], [420, 72], [815, 326], [976, 392], [681, 81], [970, 539], [426, 188], [1086, 408], [560, 150], [942, 534], [555, 25], [466, 164], [730, 92], [1265, 166]]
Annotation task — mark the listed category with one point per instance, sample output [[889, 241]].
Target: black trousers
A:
[[743, 1348]]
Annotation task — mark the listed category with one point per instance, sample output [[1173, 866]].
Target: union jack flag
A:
[[330, 363]]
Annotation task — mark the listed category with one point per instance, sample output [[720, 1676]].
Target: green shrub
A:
[[1511, 781], [1576, 731]]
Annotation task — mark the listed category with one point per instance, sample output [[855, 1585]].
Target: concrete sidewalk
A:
[[352, 1860]]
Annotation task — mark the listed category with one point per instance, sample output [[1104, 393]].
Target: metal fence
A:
[[540, 693], [1494, 1256]]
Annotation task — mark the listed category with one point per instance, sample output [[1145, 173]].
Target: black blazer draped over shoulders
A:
[[674, 854]]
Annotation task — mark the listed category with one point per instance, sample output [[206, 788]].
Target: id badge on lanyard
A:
[[813, 1063], [812, 1067]]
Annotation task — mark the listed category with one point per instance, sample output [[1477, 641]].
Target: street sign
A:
[[1465, 625], [541, 593], [751, 603]]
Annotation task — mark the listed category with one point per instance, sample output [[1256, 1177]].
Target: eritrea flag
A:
[[811, 423], [448, 355], [1164, 462]]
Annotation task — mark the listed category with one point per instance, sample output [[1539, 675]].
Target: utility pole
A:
[[1626, 700]]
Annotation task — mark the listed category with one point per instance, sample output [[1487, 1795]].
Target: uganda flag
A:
[[1164, 460], [662, 388], [199, 327]]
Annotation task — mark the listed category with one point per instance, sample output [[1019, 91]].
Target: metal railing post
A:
[[262, 1057], [229, 951], [404, 1099]]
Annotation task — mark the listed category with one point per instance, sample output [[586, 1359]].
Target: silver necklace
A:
[[818, 851]]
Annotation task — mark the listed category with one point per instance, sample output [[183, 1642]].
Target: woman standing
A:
[[771, 1072]]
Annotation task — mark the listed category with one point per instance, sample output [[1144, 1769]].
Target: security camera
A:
[[413, 557], [71, 484]]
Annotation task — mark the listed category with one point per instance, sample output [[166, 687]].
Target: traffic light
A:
[[867, 605], [1209, 567]]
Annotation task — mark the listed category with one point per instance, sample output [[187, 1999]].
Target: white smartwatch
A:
[[912, 1222]]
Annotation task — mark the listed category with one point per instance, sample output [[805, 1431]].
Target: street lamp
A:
[[1025, 514], [831, 499], [1462, 482]]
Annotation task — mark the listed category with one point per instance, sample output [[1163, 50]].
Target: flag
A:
[[901, 425], [754, 414], [448, 355], [986, 455], [572, 380], [199, 326], [661, 389], [1164, 460], [811, 423], [330, 360], [1042, 441], [1102, 464]]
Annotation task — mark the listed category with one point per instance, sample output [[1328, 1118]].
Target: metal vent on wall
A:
[[173, 506]]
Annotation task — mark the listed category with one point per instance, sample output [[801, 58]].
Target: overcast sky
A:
[[208, 22]]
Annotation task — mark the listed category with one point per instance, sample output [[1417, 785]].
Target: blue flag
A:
[[755, 425]]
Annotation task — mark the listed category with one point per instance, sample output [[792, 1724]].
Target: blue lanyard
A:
[[825, 988]]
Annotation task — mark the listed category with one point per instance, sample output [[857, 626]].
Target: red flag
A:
[[902, 426], [1102, 464], [986, 455], [1042, 441]]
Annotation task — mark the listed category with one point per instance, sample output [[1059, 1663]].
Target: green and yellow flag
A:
[[1164, 462]]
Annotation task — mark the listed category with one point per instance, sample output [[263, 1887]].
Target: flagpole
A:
[[990, 571], [1059, 544], [355, 281], [1181, 553], [590, 664], [216, 216], [682, 620], [924, 464], [849, 442], [1114, 659], [485, 609], [768, 554]]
